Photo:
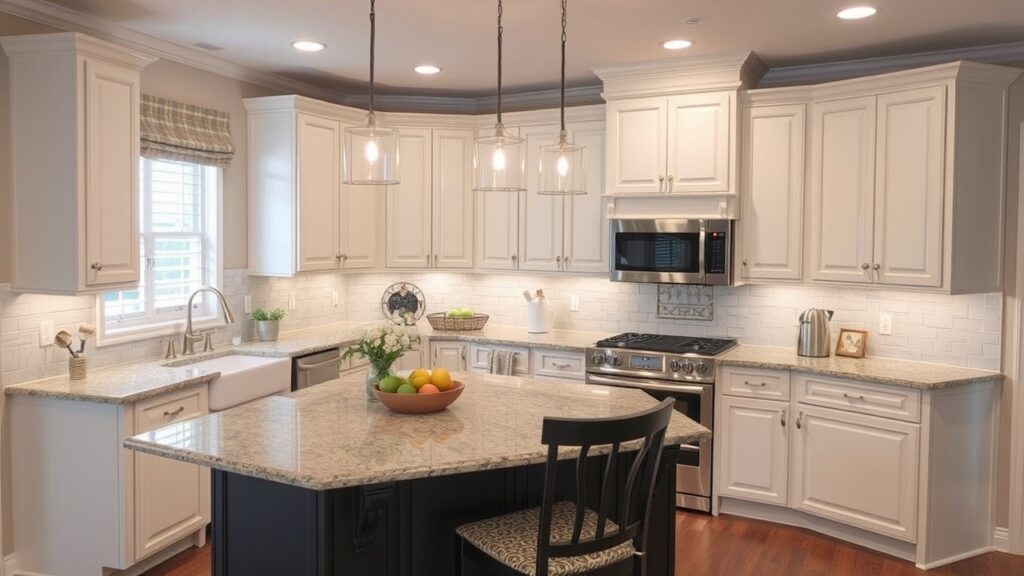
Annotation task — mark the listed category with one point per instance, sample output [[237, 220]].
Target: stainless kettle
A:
[[815, 340]]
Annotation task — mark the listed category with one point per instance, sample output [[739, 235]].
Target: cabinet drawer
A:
[[480, 357], [876, 400], [168, 409], [558, 364], [755, 383]]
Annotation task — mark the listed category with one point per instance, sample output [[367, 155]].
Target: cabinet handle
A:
[[344, 258], [669, 187], [337, 257], [799, 420], [435, 260], [849, 396], [865, 266], [561, 366], [173, 413], [755, 383], [558, 262], [97, 266], [744, 263], [661, 183], [877, 266], [784, 411]]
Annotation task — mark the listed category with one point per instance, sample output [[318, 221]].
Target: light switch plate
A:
[[247, 303], [574, 303], [46, 333], [291, 300], [885, 324]]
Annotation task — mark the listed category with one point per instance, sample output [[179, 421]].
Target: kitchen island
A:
[[322, 481]]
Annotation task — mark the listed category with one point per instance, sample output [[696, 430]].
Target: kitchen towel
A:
[[501, 362]]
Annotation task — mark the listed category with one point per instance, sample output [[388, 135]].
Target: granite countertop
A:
[[129, 383], [329, 436], [919, 375]]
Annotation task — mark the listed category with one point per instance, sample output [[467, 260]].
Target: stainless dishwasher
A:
[[316, 368]]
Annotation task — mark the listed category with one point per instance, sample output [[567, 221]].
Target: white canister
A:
[[537, 318]]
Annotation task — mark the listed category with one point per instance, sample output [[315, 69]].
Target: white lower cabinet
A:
[[448, 355], [480, 358], [755, 449], [856, 469]]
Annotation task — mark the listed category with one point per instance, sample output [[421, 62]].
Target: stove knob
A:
[[688, 367], [597, 358], [702, 368], [616, 360], [675, 365]]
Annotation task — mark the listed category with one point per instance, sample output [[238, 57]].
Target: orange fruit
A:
[[428, 389], [419, 377], [442, 379]]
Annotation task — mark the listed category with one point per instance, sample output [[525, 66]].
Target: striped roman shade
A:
[[186, 133]]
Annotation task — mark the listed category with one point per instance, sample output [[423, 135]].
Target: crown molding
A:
[[1011, 53], [540, 99], [34, 46], [675, 75]]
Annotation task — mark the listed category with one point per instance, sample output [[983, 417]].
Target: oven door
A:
[[696, 401]]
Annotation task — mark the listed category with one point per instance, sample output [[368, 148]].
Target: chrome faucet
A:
[[189, 339]]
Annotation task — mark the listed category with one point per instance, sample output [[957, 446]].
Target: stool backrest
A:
[[633, 499]]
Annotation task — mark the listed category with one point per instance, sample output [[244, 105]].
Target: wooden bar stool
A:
[[566, 538]]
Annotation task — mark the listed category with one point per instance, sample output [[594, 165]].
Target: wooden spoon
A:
[[63, 339]]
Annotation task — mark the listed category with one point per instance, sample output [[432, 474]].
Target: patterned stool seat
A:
[[512, 540]]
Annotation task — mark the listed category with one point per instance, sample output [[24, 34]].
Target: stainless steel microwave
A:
[[672, 251]]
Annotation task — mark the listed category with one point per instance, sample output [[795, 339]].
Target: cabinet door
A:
[[856, 469], [497, 230], [636, 145], [319, 159], [909, 183], [540, 223], [842, 190], [448, 355], [586, 229], [360, 236], [754, 453], [172, 499], [411, 360], [699, 142], [453, 199], [773, 177], [408, 204], [111, 175]]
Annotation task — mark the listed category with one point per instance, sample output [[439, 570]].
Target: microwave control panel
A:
[[716, 255]]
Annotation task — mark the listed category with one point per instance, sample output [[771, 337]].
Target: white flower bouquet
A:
[[382, 345]]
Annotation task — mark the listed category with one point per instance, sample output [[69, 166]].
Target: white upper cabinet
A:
[[903, 193], [586, 229], [497, 230], [540, 226], [637, 136], [773, 192], [74, 108], [301, 217], [701, 142], [430, 214], [842, 190]]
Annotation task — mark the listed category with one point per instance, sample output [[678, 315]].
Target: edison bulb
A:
[[498, 160], [372, 151], [563, 165]]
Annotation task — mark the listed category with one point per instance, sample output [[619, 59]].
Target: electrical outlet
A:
[[885, 324], [247, 303], [291, 300], [46, 333], [574, 303], [334, 298]]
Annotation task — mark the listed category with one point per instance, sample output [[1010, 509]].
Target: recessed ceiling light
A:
[[677, 44], [308, 45], [427, 69], [857, 12]]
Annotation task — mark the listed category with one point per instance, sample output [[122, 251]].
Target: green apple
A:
[[407, 389], [466, 313], [390, 384], [453, 313]]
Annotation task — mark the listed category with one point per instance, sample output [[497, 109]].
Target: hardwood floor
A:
[[729, 546]]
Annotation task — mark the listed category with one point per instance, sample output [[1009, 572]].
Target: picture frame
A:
[[851, 343]]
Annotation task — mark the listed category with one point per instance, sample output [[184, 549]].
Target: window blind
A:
[[185, 133]]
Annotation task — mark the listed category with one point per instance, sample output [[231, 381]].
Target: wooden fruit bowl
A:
[[419, 403]]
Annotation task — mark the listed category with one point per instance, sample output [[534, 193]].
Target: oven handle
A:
[[644, 384]]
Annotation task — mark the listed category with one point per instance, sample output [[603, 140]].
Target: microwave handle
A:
[[703, 238]]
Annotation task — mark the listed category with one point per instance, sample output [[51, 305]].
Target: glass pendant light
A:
[[371, 151], [498, 158], [563, 165]]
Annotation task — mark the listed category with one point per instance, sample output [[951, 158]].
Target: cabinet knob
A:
[[669, 187], [744, 262], [784, 417], [864, 266], [661, 183], [877, 266], [514, 257], [799, 421], [97, 266]]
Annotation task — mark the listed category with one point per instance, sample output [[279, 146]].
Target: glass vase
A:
[[374, 374]]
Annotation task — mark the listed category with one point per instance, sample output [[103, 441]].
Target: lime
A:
[[406, 389], [390, 384]]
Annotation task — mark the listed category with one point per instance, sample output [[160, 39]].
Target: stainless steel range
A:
[[677, 367]]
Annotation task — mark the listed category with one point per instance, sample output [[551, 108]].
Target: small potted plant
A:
[[382, 345], [268, 324]]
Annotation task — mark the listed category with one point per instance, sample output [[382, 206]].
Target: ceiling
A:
[[459, 35]]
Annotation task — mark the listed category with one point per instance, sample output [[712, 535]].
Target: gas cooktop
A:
[[669, 344]]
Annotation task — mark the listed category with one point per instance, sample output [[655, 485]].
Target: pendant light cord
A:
[[564, 2], [501, 32], [373, 38]]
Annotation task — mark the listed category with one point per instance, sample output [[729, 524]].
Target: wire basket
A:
[[441, 321]]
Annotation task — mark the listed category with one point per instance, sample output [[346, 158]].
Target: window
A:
[[180, 250]]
